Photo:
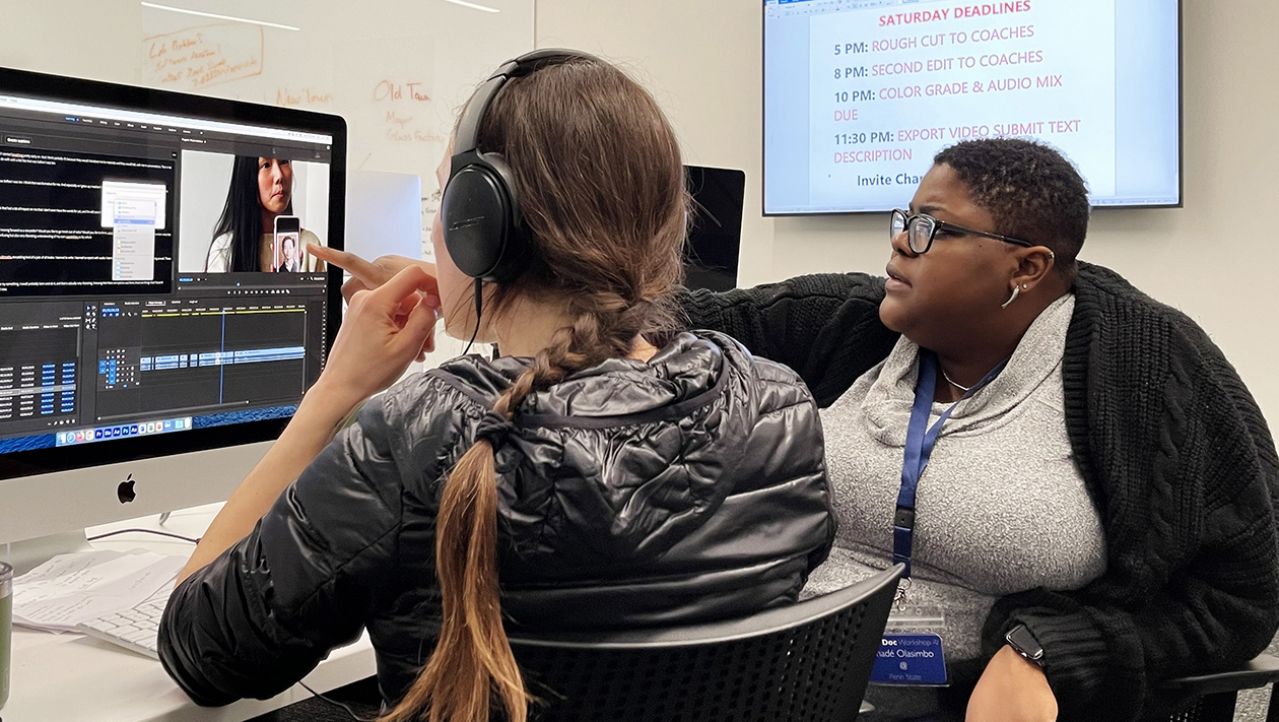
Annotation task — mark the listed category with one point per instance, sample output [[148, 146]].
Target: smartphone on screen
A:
[[287, 245]]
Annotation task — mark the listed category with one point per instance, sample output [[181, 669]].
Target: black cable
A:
[[479, 306], [336, 703], [145, 531]]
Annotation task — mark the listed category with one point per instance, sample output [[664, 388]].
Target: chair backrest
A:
[[806, 662]]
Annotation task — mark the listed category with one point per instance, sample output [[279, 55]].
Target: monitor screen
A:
[[859, 95], [715, 229], [156, 292]]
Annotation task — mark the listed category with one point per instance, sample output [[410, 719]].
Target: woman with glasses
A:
[[1078, 480], [1095, 515]]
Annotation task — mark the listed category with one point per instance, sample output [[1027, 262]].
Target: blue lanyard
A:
[[920, 440]]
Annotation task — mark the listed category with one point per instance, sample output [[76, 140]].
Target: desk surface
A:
[[72, 677]]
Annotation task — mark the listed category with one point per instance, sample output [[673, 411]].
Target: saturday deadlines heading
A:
[[959, 13]]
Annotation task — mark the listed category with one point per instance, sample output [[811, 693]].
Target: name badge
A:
[[909, 659]]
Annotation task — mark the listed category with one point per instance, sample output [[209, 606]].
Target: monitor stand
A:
[[28, 554]]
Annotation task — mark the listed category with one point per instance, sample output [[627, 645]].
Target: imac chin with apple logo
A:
[[125, 492]]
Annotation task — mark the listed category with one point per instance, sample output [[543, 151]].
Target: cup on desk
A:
[[6, 627]]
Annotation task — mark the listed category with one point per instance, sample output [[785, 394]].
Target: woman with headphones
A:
[[609, 471]]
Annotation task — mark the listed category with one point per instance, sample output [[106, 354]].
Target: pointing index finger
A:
[[370, 274], [405, 282]]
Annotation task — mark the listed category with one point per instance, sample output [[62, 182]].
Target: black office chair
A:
[[807, 662], [1214, 695]]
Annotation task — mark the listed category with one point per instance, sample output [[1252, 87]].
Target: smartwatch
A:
[[1025, 644]]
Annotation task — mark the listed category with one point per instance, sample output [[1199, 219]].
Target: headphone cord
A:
[[144, 531], [350, 712], [479, 307]]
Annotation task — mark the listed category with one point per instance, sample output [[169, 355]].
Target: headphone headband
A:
[[480, 209], [468, 128]]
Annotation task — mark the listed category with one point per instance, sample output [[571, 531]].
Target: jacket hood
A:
[[621, 460], [689, 369]]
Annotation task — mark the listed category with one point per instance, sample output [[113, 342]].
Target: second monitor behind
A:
[[383, 217], [715, 236]]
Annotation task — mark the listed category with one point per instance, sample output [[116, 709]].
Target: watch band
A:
[[1023, 642]]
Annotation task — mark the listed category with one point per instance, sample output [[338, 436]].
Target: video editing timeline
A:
[[76, 371], [78, 223], [199, 354]]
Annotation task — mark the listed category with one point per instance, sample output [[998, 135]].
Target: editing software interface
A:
[[154, 274]]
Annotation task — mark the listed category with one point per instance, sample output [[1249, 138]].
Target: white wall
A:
[[1213, 258]]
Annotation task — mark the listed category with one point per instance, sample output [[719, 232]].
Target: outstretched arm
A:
[[384, 331], [826, 327]]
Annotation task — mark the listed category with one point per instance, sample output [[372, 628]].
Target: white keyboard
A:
[[134, 629]]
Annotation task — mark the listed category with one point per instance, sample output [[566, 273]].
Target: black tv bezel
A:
[[27, 83], [763, 156]]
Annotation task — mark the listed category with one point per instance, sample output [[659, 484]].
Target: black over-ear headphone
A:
[[480, 210]]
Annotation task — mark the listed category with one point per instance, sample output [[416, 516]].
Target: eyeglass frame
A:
[[939, 225]]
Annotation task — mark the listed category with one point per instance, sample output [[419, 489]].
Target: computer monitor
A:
[[160, 318], [715, 234]]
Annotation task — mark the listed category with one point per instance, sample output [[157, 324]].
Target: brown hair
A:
[[602, 193]]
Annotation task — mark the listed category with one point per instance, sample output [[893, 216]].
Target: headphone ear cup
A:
[[482, 227]]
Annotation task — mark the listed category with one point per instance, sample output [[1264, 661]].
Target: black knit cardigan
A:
[[1171, 445]]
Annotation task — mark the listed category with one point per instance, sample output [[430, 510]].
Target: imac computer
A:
[[160, 317]]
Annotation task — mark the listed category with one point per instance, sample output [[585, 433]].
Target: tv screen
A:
[[859, 95]]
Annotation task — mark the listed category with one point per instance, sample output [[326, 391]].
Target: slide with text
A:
[[890, 89]]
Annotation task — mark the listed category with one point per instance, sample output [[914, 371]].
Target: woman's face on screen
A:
[[275, 183]]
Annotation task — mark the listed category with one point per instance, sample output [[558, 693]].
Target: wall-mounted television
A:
[[859, 95]]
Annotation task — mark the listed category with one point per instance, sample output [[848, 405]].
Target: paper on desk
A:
[[73, 588]]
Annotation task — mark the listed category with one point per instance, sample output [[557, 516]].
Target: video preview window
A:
[[251, 213]]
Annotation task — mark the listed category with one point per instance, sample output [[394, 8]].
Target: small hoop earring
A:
[[1016, 292]]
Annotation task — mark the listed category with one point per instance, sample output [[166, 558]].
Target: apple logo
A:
[[125, 491]]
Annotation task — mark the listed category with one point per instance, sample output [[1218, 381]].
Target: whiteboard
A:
[[398, 71]]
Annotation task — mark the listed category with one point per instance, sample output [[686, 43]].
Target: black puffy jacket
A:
[[689, 488]]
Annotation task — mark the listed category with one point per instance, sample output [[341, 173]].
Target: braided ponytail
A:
[[473, 657], [608, 222]]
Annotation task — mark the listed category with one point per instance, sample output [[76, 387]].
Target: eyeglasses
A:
[[922, 228]]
